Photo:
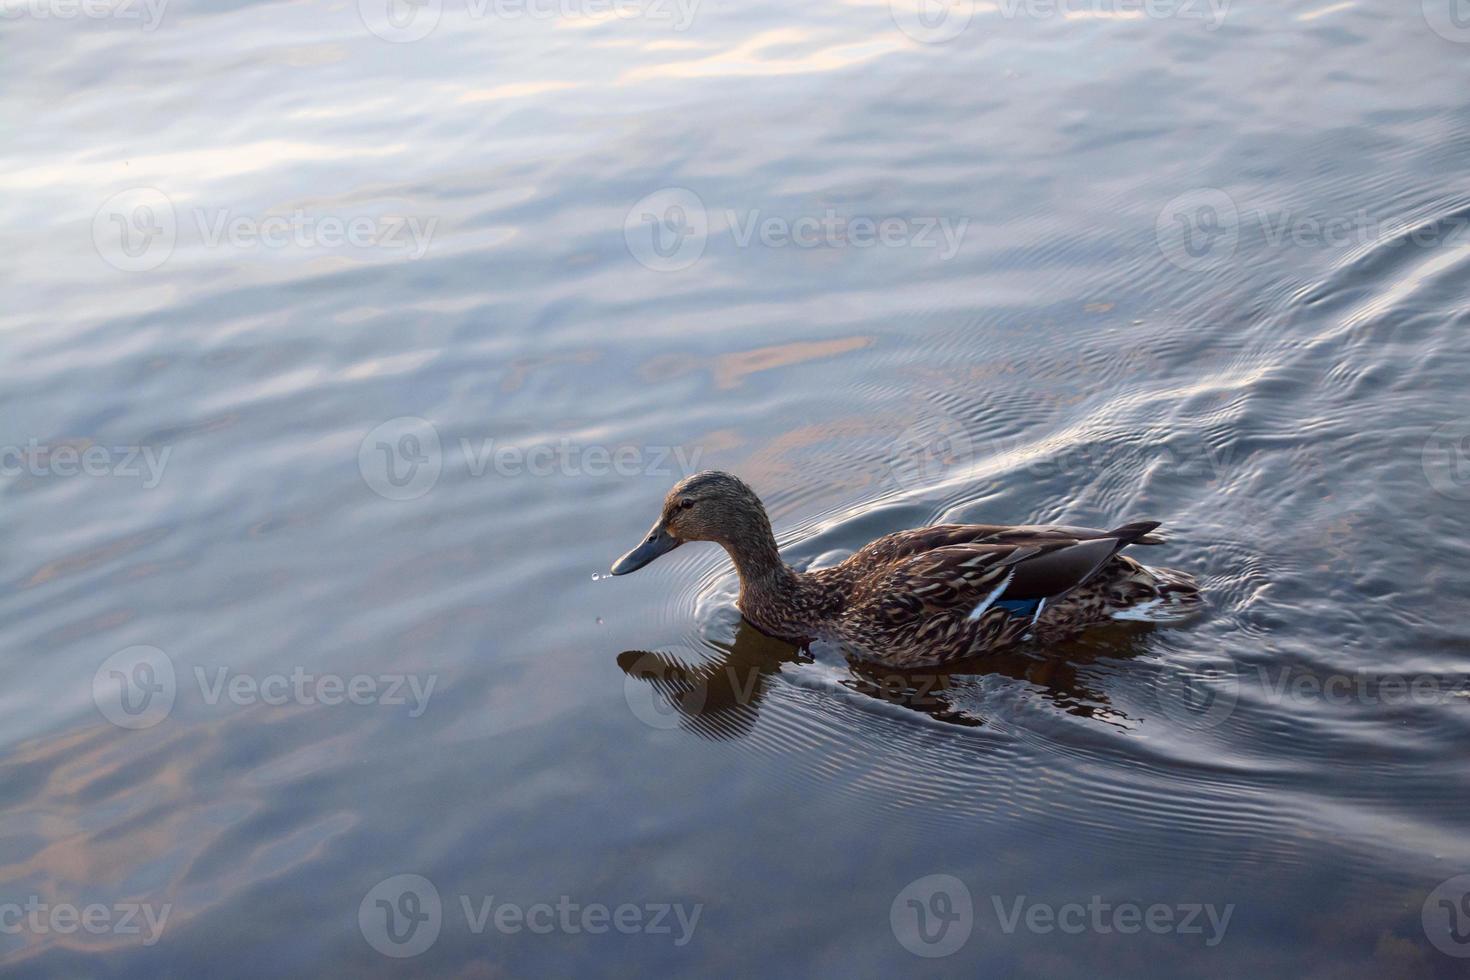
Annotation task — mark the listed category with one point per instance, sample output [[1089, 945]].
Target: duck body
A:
[[928, 596], [939, 594]]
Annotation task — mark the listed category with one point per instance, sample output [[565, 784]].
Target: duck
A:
[[929, 596]]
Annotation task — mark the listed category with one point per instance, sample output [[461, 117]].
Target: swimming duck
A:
[[928, 596]]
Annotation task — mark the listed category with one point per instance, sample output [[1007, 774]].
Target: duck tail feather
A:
[[1136, 533]]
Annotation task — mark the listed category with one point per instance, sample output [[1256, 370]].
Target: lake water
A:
[[346, 345]]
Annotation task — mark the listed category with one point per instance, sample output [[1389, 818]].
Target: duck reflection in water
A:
[[721, 698]]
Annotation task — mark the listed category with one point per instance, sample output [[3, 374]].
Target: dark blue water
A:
[[344, 344]]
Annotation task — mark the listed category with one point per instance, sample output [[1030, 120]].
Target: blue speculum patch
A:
[[1020, 607]]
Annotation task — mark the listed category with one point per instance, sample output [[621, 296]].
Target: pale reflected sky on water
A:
[[346, 343]]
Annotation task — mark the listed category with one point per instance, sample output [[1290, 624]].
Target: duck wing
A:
[[1005, 565], [922, 540]]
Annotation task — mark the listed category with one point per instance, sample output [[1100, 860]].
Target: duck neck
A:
[[768, 586]]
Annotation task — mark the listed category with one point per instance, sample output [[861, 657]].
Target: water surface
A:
[[383, 346]]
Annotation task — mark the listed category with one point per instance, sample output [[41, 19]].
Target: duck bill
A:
[[658, 542]]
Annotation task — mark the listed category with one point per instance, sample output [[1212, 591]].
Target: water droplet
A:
[[599, 620]]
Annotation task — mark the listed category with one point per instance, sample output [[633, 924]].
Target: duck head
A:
[[708, 506]]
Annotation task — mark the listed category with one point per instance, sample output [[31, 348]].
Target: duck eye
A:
[[685, 504]]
